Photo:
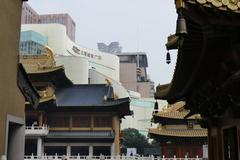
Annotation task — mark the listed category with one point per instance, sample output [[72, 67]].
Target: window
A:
[[59, 121], [103, 121], [190, 124], [81, 121]]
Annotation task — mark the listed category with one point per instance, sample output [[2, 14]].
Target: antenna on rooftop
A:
[[138, 37], [138, 60]]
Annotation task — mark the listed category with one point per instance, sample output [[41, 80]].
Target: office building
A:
[[30, 16], [133, 73]]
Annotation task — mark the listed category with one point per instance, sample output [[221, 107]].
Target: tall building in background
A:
[[133, 69], [133, 73], [113, 47], [30, 16]]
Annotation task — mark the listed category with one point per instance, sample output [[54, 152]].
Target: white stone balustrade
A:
[[78, 157], [36, 130]]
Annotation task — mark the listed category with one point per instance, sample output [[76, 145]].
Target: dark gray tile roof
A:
[[87, 95]]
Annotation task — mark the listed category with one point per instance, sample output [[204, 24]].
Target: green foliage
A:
[[133, 139], [155, 143]]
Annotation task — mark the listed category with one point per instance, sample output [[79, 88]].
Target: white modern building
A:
[[62, 46]]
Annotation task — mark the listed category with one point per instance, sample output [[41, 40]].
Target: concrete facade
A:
[[12, 102], [128, 78], [64, 19], [128, 75]]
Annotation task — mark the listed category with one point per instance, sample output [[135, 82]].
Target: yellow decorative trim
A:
[[217, 3], [102, 129], [47, 99], [178, 132], [179, 4], [233, 5], [81, 129], [59, 129], [176, 111], [201, 1], [225, 2], [40, 63]]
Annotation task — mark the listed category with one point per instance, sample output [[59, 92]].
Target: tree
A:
[[133, 139], [155, 143]]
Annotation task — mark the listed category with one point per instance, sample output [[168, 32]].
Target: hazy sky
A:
[[139, 25]]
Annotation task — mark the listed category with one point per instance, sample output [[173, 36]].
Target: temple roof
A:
[[179, 132], [226, 5], [175, 111], [202, 71], [93, 97], [42, 69], [47, 94], [26, 87], [85, 95], [56, 77]]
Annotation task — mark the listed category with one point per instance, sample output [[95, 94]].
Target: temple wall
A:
[[11, 100]]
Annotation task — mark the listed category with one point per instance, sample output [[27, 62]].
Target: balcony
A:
[[36, 131]]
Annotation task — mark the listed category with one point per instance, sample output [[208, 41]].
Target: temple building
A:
[[71, 119], [178, 136], [206, 76]]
